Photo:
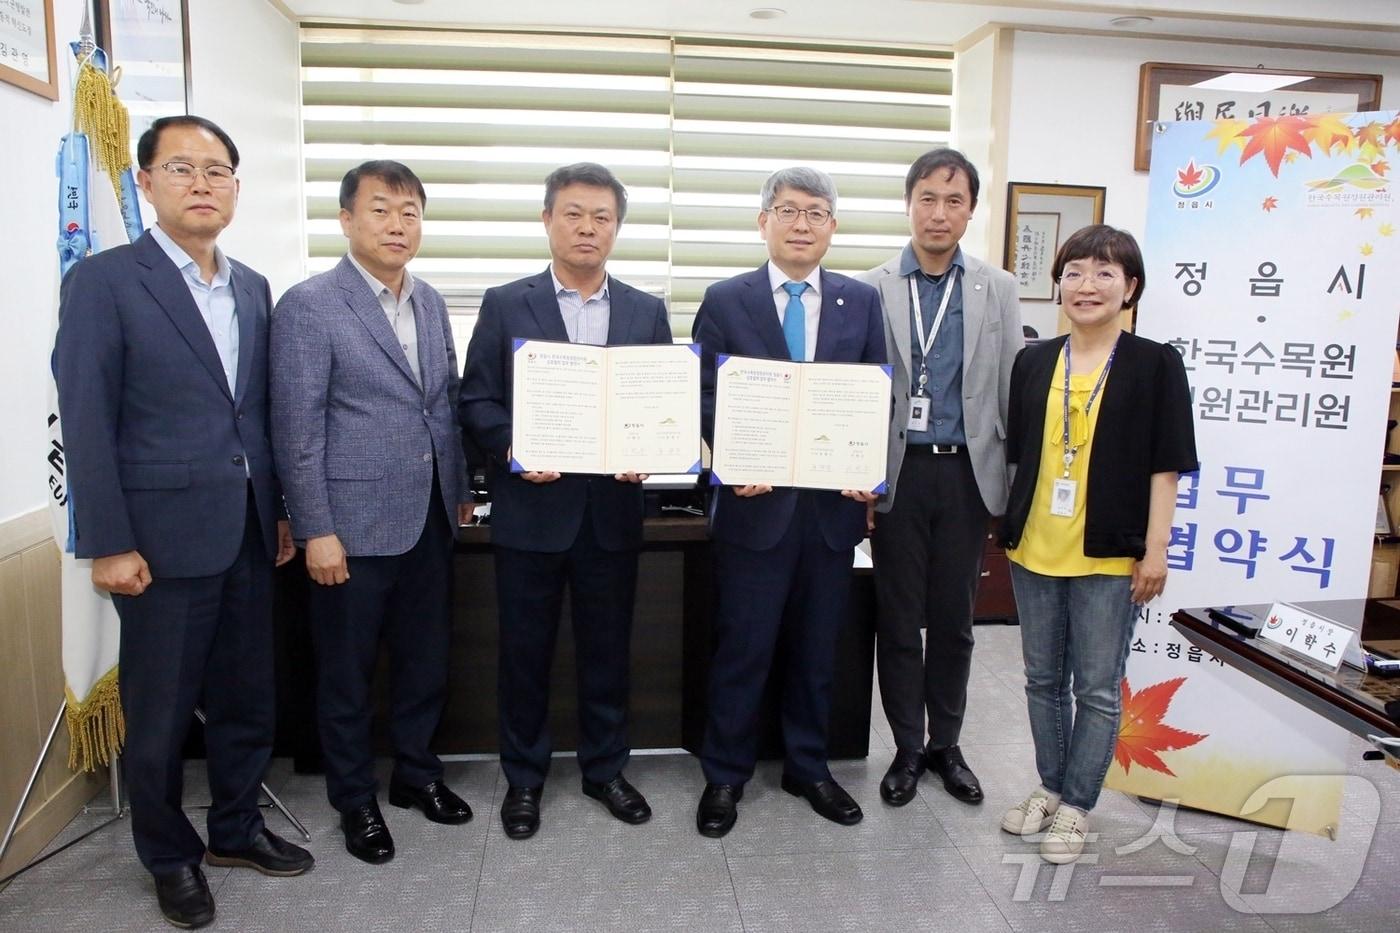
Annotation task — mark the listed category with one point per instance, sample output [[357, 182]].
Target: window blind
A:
[[692, 127]]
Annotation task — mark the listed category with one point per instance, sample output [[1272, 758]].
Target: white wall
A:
[[973, 134], [245, 73], [33, 126], [1074, 107], [246, 66]]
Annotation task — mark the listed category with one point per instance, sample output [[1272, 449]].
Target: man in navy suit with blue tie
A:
[[549, 529], [161, 364], [782, 556]]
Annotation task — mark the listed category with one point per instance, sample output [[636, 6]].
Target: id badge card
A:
[[1062, 497], [918, 413]]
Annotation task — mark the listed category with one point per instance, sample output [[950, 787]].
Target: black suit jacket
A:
[[738, 317], [155, 441], [546, 516]]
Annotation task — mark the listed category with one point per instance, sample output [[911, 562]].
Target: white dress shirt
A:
[[811, 301]]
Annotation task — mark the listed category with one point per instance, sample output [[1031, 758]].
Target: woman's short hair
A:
[[1106, 244]]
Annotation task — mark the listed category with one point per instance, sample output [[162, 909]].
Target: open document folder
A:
[[809, 425]]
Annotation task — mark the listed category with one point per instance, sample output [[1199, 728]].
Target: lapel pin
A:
[[840, 302]]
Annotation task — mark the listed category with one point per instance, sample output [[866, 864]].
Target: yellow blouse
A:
[[1053, 545]]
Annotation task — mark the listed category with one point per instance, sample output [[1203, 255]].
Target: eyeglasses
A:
[[182, 174], [787, 215], [1102, 277]]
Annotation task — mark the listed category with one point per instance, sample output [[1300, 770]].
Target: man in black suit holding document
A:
[[549, 529]]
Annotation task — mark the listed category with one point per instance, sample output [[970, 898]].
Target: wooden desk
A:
[[1358, 702]]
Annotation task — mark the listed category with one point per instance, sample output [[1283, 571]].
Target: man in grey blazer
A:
[[953, 324], [364, 429]]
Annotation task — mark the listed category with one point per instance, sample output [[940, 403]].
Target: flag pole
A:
[[33, 776]]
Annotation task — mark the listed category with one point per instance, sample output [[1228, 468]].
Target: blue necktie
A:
[[795, 321]]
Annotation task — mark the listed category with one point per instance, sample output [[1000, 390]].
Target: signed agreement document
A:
[[810, 425], [579, 408]]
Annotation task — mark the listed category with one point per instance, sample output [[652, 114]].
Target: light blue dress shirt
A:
[[585, 320], [399, 310], [214, 299]]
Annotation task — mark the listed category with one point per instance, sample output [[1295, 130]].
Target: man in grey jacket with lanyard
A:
[[953, 326]]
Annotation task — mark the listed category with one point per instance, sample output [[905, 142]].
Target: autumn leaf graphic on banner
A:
[[1274, 136], [1329, 130], [1227, 134], [1141, 732]]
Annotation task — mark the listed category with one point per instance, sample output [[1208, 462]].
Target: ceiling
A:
[[1350, 25]]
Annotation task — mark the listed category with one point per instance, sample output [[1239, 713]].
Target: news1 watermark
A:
[[1264, 871]]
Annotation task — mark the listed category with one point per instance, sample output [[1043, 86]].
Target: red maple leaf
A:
[[1270, 203], [1274, 136], [1141, 733], [1372, 133], [1380, 166], [1392, 130], [1189, 176]]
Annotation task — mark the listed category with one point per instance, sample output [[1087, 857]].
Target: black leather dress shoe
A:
[[520, 811], [958, 779], [622, 799], [184, 897], [435, 799], [269, 854], [366, 836], [719, 808], [828, 798], [901, 781]]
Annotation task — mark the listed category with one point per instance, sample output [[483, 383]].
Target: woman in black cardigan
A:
[[1100, 426]]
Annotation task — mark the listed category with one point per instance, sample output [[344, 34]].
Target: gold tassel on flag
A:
[[96, 728], [103, 118]]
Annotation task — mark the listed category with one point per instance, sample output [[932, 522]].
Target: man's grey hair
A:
[[800, 178]]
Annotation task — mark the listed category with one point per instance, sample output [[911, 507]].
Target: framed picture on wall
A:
[[27, 47], [1207, 93], [1038, 219], [149, 40]]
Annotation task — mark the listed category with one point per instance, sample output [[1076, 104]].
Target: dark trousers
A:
[[927, 551], [791, 598], [198, 641], [406, 600], [530, 594]]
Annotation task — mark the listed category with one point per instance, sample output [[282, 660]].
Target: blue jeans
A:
[[1075, 636]]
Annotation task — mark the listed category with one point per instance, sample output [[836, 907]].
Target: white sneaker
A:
[[1065, 840], [1031, 815]]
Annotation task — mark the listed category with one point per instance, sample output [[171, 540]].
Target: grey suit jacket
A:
[[991, 339], [355, 437]]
